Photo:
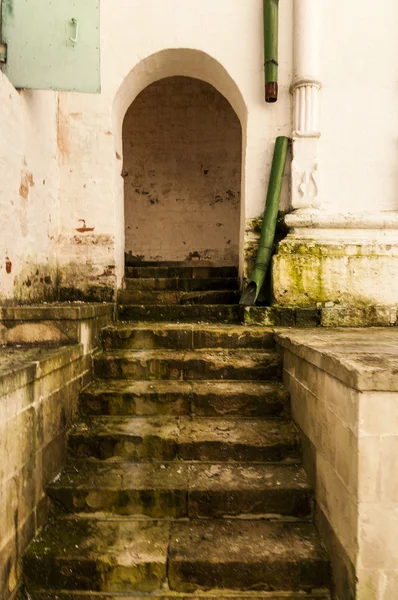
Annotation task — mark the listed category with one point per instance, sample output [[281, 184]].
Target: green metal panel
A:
[[52, 44]]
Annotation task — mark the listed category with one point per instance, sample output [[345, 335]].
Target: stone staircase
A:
[[183, 478]]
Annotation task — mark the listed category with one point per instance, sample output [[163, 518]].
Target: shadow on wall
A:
[[182, 149]]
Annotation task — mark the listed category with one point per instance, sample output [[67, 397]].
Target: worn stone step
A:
[[95, 555], [188, 284], [177, 297], [144, 556], [185, 336], [203, 398], [182, 271], [207, 313], [168, 438], [198, 364], [246, 555], [217, 595], [180, 490]]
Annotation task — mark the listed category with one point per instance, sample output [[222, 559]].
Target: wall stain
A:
[[27, 182], [84, 229], [63, 135]]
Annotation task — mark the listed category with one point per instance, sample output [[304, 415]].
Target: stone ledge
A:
[[54, 324], [55, 312], [323, 316], [21, 366], [280, 316], [366, 360]]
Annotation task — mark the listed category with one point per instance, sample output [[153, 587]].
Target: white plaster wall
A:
[[220, 42], [358, 147], [28, 191], [223, 44]]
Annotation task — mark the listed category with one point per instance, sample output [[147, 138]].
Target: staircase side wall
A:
[[348, 422], [38, 405]]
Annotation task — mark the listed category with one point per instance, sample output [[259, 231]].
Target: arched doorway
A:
[[182, 156]]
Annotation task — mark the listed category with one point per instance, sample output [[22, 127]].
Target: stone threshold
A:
[[220, 594], [56, 311], [364, 359]]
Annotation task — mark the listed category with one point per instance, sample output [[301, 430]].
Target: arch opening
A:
[[182, 158]]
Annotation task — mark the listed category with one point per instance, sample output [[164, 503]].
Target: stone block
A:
[[339, 507], [307, 271], [346, 456], [378, 413], [369, 469], [347, 316], [388, 468], [377, 536]]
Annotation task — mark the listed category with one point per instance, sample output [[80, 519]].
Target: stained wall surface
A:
[[182, 149], [74, 141], [29, 179]]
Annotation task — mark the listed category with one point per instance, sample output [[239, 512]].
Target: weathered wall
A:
[[345, 402], [38, 403], [39, 390], [182, 149], [28, 192], [326, 412], [142, 42]]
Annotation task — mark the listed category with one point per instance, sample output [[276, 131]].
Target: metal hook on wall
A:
[[75, 22]]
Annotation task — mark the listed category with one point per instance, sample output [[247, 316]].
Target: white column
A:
[[306, 88]]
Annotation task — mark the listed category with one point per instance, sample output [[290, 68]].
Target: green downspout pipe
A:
[[271, 9], [268, 228]]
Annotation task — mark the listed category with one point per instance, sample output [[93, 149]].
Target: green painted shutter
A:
[[52, 44]]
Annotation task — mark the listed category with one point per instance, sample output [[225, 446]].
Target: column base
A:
[[346, 260]]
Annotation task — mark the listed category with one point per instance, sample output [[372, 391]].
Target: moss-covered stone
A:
[[308, 272], [177, 313], [97, 555]]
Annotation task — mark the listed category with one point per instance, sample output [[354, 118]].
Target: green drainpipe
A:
[[271, 49], [266, 244]]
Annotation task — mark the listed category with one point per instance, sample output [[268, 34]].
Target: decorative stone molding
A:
[[306, 103]]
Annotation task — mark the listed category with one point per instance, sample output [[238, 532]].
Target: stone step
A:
[[145, 556], [246, 555], [181, 490], [202, 398], [154, 439], [181, 271], [161, 298], [175, 313], [185, 336], [217, 595], [197, 364], [188, 284]]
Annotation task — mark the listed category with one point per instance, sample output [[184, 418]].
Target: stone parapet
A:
[[54, 324], [344, 399], [39, 390], [40, 382]]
